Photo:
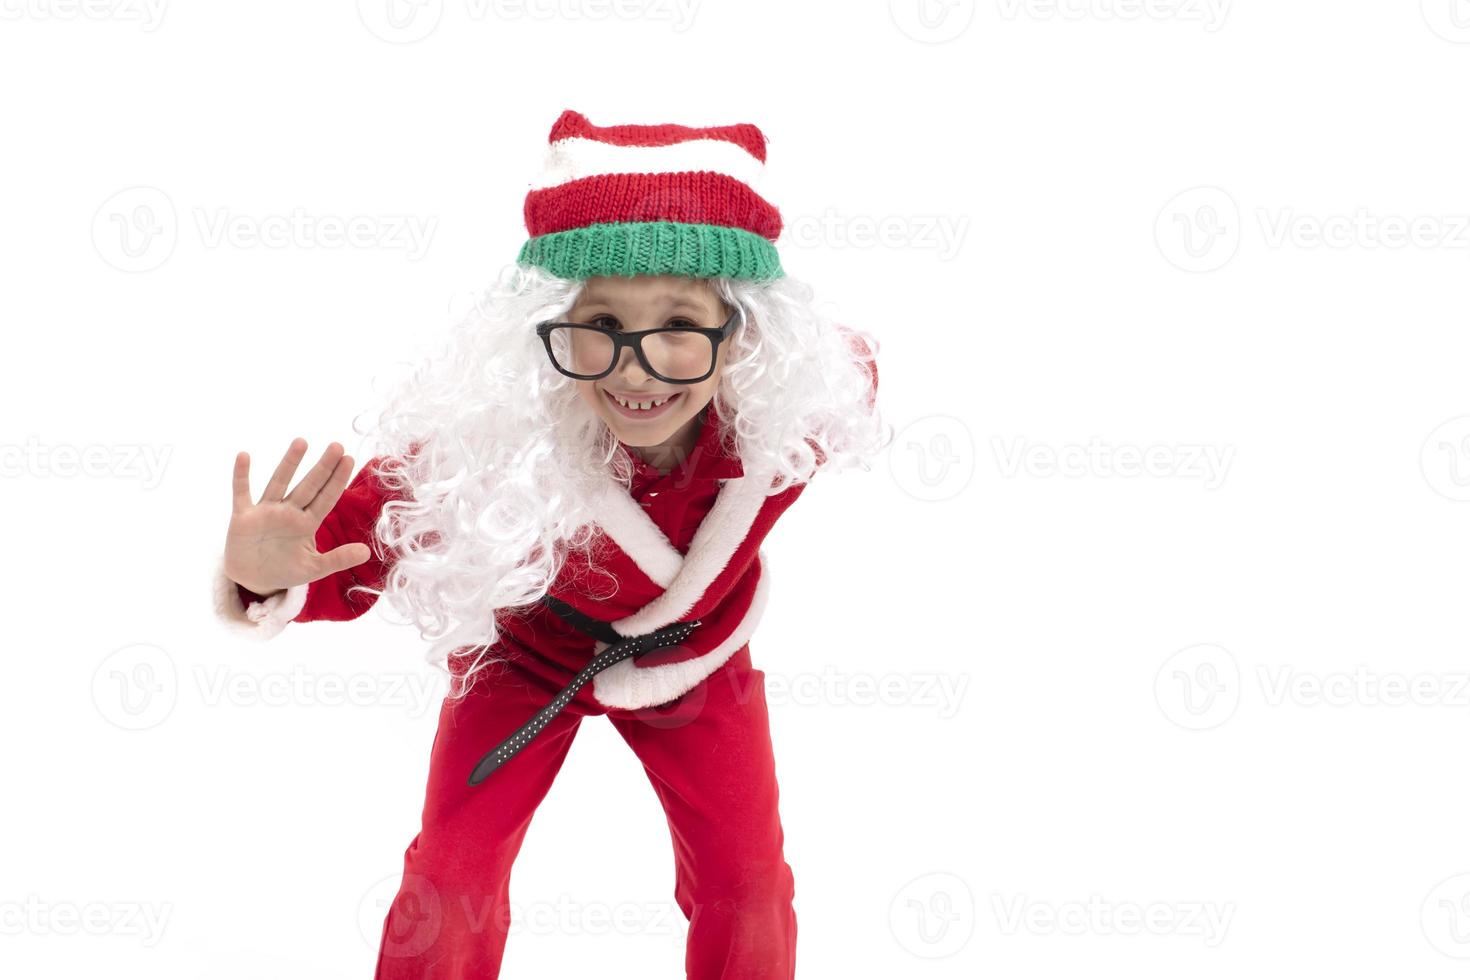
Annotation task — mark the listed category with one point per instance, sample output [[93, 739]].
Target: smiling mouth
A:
[[642, 407]]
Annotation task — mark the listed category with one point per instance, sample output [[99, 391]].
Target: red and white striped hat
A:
[[651, 200]]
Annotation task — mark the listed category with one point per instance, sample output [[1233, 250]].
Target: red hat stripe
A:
[[692, 198], [574, 124]]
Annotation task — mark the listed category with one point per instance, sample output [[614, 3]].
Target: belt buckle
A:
[[666, 652]]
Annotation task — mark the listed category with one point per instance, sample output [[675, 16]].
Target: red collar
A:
[[708, 460]]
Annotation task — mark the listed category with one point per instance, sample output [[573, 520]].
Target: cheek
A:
[[700, 395], [710, 384], [588, 391]]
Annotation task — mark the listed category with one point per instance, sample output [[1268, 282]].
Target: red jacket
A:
[[683, 545]]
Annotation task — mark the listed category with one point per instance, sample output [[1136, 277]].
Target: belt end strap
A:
[[626, 647]]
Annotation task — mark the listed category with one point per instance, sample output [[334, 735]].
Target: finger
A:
[[301, 496], [281, 478], [241, 484], [321, 505], [346, 556]]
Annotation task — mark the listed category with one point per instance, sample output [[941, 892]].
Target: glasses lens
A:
[[580, 350], [681, 355]]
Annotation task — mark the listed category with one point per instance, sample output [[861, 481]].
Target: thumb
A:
[[346, 556]]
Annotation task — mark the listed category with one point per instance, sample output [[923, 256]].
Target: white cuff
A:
[[258, 620]]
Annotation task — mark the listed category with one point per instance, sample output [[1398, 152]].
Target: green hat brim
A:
[[653, 248]]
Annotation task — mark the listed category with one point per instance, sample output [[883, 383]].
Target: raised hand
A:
[[271, 544]]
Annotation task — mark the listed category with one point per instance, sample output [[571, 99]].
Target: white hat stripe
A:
[[577, 157]]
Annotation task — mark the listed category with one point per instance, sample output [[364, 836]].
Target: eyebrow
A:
[[677, 302]]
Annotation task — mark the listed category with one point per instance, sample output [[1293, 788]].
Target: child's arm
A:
[[301, 561]]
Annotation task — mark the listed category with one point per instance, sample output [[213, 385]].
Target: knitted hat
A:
[[651, 200]]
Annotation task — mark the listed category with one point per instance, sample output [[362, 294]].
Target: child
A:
[[598, 456]]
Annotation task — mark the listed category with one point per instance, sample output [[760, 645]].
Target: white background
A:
[[1223, 694]]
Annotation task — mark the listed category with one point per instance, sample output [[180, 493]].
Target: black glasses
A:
[[673, 355]]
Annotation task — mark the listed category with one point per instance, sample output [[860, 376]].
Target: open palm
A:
[[271, 543]]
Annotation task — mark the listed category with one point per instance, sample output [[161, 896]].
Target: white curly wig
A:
[[493, 458]]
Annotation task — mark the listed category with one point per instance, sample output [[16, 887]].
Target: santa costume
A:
[[656, 612]]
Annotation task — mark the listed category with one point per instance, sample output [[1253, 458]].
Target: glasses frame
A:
[[634, 339]]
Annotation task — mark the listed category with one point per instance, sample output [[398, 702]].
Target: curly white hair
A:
[[494, 459]]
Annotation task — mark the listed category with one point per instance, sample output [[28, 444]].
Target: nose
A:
[[629, 371]]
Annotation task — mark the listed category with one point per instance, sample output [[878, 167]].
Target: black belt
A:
[[620, 648]]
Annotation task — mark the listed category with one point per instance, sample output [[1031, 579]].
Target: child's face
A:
[[645, 303]]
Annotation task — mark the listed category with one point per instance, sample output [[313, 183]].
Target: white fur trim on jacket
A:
[[258, 620], [684, 578], [625, 685], [637, 536]]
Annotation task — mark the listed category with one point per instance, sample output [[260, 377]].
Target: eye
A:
[[681, 320], [597, 321]]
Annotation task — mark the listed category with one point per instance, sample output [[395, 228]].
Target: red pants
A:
[[708, 756]]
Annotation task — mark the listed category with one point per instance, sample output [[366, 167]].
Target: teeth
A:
[[640, 406]]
